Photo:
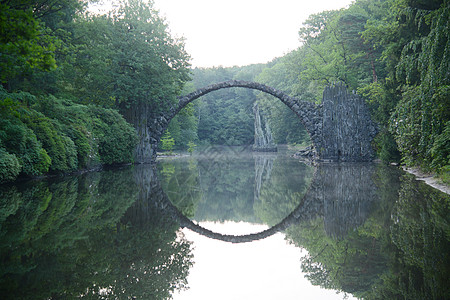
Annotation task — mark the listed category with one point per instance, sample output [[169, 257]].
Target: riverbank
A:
[[429, 179]]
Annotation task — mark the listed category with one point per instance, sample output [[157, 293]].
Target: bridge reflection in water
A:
[[363, 226], [341, 193], [367, 229]]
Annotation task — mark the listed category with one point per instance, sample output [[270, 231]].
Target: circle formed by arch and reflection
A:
[[282, 225]]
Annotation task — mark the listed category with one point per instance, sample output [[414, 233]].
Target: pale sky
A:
[[239, 32]]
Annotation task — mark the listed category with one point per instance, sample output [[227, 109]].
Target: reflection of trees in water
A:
[[216, 175], [222, 189], [70, 237], [223, 184], [365, 260], [279, 187], [368, 230], [181, 184], [420, 232]]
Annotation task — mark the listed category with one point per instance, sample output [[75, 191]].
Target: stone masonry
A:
[[340, 128]]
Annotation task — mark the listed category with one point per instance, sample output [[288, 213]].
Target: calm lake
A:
[[226, 224]]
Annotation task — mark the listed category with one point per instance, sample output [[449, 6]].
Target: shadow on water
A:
[[369, 230]]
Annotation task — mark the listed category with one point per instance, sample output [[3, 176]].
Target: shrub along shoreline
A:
[[49, 135]]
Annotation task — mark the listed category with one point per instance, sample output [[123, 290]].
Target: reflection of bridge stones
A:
[[342, 193], [152, 196], [293, 217]]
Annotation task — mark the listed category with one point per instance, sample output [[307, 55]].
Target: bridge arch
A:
[[306, 111], [301, 108], [340, 128]]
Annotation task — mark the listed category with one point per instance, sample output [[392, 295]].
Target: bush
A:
[[54, 142], [116, 138], [167, 142], [59, 135], [34, 159], [86, 156], [9, 166], [19, 140], [99, 134]]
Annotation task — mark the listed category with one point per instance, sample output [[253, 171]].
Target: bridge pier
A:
[[347, 129]]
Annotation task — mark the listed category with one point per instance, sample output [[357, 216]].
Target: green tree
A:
[[24, 42], [422, 114], [133, 62], [34, 40], [167, 142], [191, 147]]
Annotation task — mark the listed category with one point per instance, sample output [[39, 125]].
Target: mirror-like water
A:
[[231, 225]]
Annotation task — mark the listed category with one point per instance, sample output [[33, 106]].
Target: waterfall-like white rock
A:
[[263, 136]]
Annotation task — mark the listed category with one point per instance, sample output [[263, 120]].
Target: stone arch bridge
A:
[[340, 127]]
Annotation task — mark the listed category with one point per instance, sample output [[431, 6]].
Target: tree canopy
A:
[[68, 72]]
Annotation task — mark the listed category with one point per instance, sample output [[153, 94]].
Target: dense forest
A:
[[71, 79], [77, 87], [394, 53]]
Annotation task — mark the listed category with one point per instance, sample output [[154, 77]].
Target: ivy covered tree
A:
[[421, 120]]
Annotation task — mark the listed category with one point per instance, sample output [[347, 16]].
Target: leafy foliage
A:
[[167, 142], [57, 135], [191, 147], [129, 56], [9, 166], [24, 43], [420, 118], [54, 55]]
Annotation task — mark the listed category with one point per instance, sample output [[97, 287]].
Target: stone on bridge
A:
[[340, 128], [347, 130]]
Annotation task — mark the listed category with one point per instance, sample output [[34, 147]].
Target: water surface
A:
[[182, 228]]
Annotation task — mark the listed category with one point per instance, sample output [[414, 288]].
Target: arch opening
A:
[[305, 111]]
